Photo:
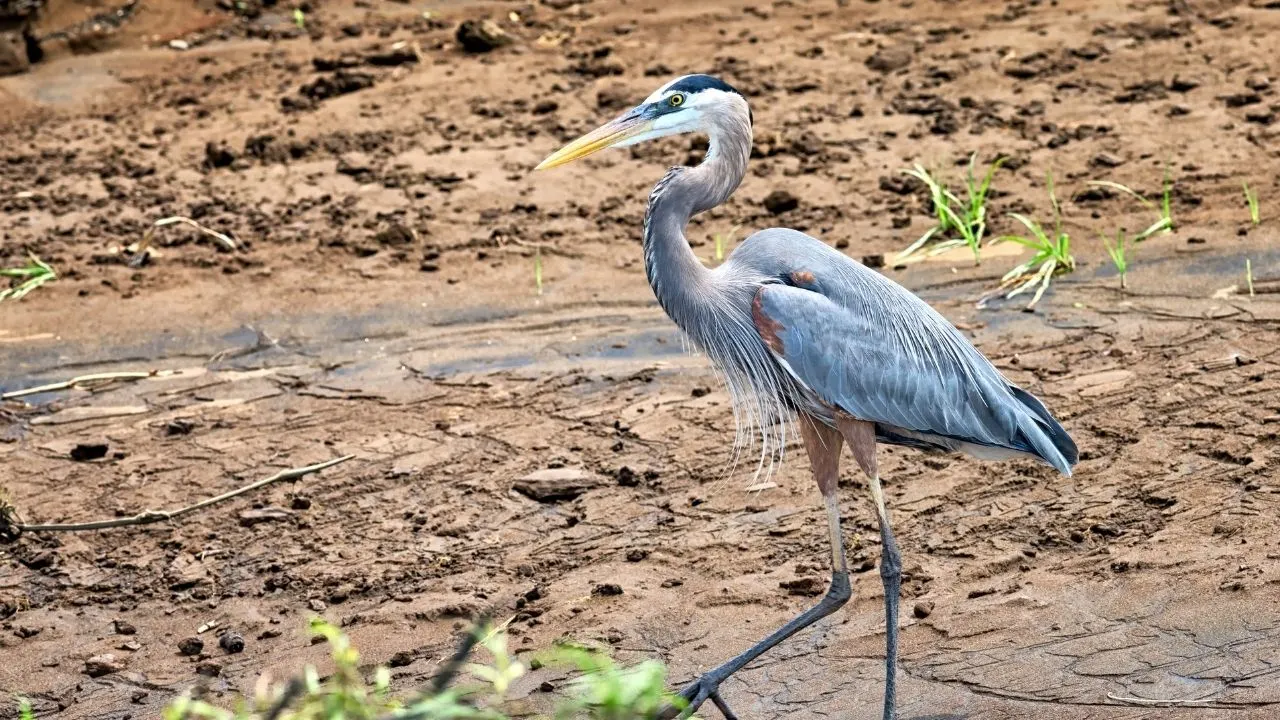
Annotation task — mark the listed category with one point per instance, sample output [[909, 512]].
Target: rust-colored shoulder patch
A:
[[802, 277], [765, 325]]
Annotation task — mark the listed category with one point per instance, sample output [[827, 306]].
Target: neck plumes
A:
[[679, 280]]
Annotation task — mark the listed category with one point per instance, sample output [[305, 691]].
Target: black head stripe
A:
[[698, 83]]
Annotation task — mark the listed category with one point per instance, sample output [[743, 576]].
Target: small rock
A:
[[546, 106], [100, 665], [353, 30], [316, 605], [1106, 160], [209, 669], [300, 502], [397, 234], [401, 659], [888, 59], [190, 646], [780, 201], [131, 646], [873, 261], [808, 586], [83, 452], [123, 627], [25, 632], [636, 555], [922, 609], [626, 477], [179, 426], [354, 163], [137, 696], [481, 36], [556, 484], [606, 590]]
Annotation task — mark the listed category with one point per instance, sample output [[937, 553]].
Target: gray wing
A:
[[867, 346]]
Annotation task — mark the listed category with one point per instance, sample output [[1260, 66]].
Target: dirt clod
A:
[[606, 590], [481, 36], [124, 627], [780, 201], [806, 586], [922, 609], [84, 452], [191, 646]]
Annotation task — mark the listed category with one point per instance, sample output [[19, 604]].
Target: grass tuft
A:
[[1052, 255], [1164, 209], [1251, 199], [963, 227], [1119, 252], [34, 274]]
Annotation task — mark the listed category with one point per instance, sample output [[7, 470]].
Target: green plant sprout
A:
[[603, 692], [1119, 252], [537, 268], [971, 227], [1052, 254], [1248, 275], [1251, 199], [299, 18], [722, 239], [1164, 210], [24, 710], [33, 275]]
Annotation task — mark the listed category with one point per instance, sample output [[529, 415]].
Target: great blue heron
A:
[[800, 330]]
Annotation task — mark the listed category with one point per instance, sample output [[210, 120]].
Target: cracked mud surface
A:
[[383, 305]]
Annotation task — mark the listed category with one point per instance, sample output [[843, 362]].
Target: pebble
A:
[[894, 57], [481, 36], [606, 589], [123, 627], [922, 609]]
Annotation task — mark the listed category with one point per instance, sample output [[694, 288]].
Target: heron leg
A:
[[823, 444], [861, 437]]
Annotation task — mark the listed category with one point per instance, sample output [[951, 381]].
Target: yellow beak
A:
[[607, 135]]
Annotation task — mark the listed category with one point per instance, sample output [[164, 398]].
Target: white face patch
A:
[[692, 115]]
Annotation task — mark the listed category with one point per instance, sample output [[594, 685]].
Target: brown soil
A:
[[383, 304]]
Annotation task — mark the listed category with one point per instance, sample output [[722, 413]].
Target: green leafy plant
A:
[[608, 692], [1052, 254], [33, 275], [605, 691], [1251, 199], [1163, 209], [24, 710], [962, 227], [1119, 252]]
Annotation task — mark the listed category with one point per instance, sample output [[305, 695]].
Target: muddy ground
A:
[[382, 303]]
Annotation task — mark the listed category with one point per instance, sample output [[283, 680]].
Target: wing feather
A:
[[880, 354]]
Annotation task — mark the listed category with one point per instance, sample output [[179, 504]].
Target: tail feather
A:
[[1046, 434]]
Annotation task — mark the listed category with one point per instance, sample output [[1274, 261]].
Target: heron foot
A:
[[695, 694]]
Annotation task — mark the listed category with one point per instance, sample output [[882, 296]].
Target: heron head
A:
[[693, 103]]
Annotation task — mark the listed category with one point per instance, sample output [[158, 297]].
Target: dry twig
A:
[[67, 384], [11, 527], [140, 252]]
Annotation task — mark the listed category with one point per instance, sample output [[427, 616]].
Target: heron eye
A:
[[676, 100]]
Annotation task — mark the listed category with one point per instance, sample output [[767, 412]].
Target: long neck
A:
[[677, 277]]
